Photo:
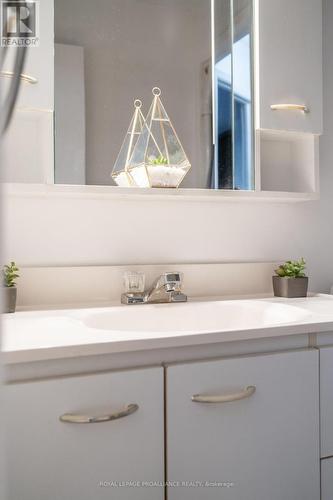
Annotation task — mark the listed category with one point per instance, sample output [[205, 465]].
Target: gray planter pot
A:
[[290, 287], [9, 299]]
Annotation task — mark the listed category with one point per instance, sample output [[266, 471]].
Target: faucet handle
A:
[[172, 281], [173, 286], [134, 282]]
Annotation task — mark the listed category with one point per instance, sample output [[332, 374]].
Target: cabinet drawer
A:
[[50, 459], [326, 400], [327, 479], [263, 446]]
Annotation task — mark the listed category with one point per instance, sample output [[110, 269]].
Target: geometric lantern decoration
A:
[[158, 159], [120, 173]]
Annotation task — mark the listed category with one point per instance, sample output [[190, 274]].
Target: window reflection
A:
[[233, 164]]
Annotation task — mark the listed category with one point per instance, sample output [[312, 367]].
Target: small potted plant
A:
[[290, 280], [160, 160], [10, 274]]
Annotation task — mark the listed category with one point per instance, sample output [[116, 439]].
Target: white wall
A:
[[51, 231]]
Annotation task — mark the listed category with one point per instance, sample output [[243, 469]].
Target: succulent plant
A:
[[292, 269], [160, 160], [10, 274]]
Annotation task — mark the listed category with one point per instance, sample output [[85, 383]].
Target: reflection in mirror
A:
[[108, 56], [233, 164], [111, 52]]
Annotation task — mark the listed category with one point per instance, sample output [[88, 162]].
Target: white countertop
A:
[[66, 333]]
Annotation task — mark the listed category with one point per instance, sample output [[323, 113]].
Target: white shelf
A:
[[114, 192], [287, 163]]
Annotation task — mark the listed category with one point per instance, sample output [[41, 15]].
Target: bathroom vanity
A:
[[229, 395], [236, 402]]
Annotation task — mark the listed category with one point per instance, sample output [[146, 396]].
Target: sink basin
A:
[[63, 333], [196, 317]]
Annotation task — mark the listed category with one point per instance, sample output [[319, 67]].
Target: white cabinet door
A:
[[39, 64], [50, 459], [327, 479], [326, 401], [289, 63], [263, 447]]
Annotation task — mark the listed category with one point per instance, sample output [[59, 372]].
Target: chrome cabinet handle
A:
[[226, 398], [72, 418], [22, 76], [288, 107]]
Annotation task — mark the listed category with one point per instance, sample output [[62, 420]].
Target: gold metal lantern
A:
[[158, 159], [120, 173]]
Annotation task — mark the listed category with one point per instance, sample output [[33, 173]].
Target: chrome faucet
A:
[[166, 288]]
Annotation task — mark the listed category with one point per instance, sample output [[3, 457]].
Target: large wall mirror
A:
[[109, 53]]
